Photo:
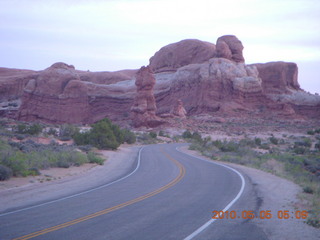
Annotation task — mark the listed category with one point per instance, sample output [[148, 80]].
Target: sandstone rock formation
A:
[[229, 47], [57, 95], [216, 83], [178, 110], [185, 52], [278, 77], [12, 82], [144, 106]]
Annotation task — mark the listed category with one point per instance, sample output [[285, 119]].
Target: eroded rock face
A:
[[185, 52], [13, 81], [178, 109], [278, 77], [57, 95], [229, 47], [218, 84], [144, 106]]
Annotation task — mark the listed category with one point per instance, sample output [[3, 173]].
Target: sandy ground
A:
[[277, 194], [59, 182]]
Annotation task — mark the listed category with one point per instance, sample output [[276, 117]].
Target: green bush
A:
[[229, 147], [33, 171], [299, 150], [66, 131], [310, 132], [153, 134], [104, 135], [27, 158], [5, 173], [274, 140], [53, 132], [257, 141], [129, 137], [196, 136], [32, 129], [94, 158], [187, 134], [161, 133], [308, 190]]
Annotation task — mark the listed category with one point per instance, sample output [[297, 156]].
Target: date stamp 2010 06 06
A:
[[282, 214]]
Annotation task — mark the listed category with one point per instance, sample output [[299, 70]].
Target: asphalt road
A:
[[169, 195]]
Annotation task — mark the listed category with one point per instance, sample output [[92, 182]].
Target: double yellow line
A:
[[182, 172]]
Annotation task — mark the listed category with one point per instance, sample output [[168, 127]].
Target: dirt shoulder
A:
[[277, 194], [55, 183]]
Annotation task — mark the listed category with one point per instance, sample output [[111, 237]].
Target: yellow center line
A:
[[182, 172]]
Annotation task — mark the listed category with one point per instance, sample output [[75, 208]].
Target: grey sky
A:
[[121, 34]]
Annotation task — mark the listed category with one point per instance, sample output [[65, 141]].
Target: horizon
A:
[[117, 35]]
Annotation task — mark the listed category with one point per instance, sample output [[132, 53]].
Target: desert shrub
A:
[[94, 158], [33, 171], [299, 150], [68, 159], [104, 135], [17, 162], [129, 137], [65, 138], [66, 131], [310, 132], [27, 158], [246, 142], [313, 222], [217, 143], [145, 138], [308, 189], [161, 133], [196, 136], [187, 134], [257, 141], [82, 139], [85, 148], [53, 132], [5, 173], [33, 129], [118, 133], [306, 142], [229, 146], [153, 134], [274, 140]]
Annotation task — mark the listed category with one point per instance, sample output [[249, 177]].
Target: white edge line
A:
[[243, 183], [78, 194]]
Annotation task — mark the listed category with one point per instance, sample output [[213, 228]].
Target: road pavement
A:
[[168, 195]]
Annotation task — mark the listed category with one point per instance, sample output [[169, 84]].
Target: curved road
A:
[[169, 195]]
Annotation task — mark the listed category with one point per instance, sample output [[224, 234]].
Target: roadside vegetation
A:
[[296, 158], [20, 155], [104, 135]]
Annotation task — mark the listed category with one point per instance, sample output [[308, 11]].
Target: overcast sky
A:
[[123, 34]]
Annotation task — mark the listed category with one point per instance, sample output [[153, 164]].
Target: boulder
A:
[[229, 47], [178, 110], [185, 52]]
